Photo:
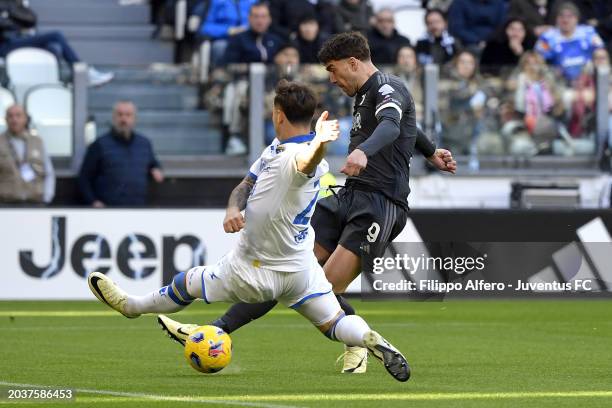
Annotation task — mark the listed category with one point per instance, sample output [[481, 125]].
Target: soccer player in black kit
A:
[[356, 224]]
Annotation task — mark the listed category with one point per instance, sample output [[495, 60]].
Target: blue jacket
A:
[[222, 15], [242, 48], [473, 21], [116, 171]]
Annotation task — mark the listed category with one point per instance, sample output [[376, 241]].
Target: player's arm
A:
[[327, 131], [234, 220], [387, 131], [441, 159]]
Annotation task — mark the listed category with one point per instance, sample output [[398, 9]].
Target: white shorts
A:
[[233, 280]]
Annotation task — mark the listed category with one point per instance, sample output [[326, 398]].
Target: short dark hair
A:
[[297, 101], [345, 45], [434, 11], [259, 4]]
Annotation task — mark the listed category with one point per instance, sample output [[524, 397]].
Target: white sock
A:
[[161, 300], [157, 301], [193, 281], [351, 329]]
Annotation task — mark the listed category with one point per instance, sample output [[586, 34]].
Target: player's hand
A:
[[327, 130], [355, 163], [234, 220], [443, 160], [157, 175]]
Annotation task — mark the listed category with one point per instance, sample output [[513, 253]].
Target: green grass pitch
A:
[[463, 354]]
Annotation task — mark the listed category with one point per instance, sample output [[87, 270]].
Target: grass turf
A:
[[463, 354]]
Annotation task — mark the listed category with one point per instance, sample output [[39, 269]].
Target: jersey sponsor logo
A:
[[574, 61], [356, 122], [386, 89]]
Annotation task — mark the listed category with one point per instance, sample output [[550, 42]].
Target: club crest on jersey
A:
[[386, 89], [357, 121], [301, 236]]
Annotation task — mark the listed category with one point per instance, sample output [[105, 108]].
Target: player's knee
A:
[[329, 328], [177, 290]]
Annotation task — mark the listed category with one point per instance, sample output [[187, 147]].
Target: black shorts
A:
[[364, 222]]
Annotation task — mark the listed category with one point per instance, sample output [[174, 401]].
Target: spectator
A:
[[118, 165], [287, 64], [354, 15], [15, 18], [221, 20], [474, 21], [597, 14], [287, 15], [408, 70], [384, 39], [504, 51], [308, 39], [466, 101], [582, 117], [568, 46], [536, 14], [256, 44], [537, 99], [438, 46], [26, 171], [235, 99]]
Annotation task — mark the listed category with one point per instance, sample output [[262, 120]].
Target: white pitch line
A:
[[152, 397], [257, 400], [108, 313]]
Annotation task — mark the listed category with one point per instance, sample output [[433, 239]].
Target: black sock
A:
[[242, 313], [344, 304]]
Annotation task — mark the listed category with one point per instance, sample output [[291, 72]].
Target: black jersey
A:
[[388, 169]]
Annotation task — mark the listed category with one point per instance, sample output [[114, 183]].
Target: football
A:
[[208, 349]]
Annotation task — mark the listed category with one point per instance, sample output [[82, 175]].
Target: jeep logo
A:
[[136, 254]]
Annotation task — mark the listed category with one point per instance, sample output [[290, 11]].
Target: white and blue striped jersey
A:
[[277, 233]]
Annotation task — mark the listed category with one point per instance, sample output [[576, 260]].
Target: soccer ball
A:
[[208, 349]]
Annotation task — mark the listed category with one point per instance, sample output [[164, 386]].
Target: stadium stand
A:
[[192, 109], [119, 37], [50, 110], [28, 67], [104, 32]]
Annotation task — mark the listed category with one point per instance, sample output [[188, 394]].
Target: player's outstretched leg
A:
[[168, 299]]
